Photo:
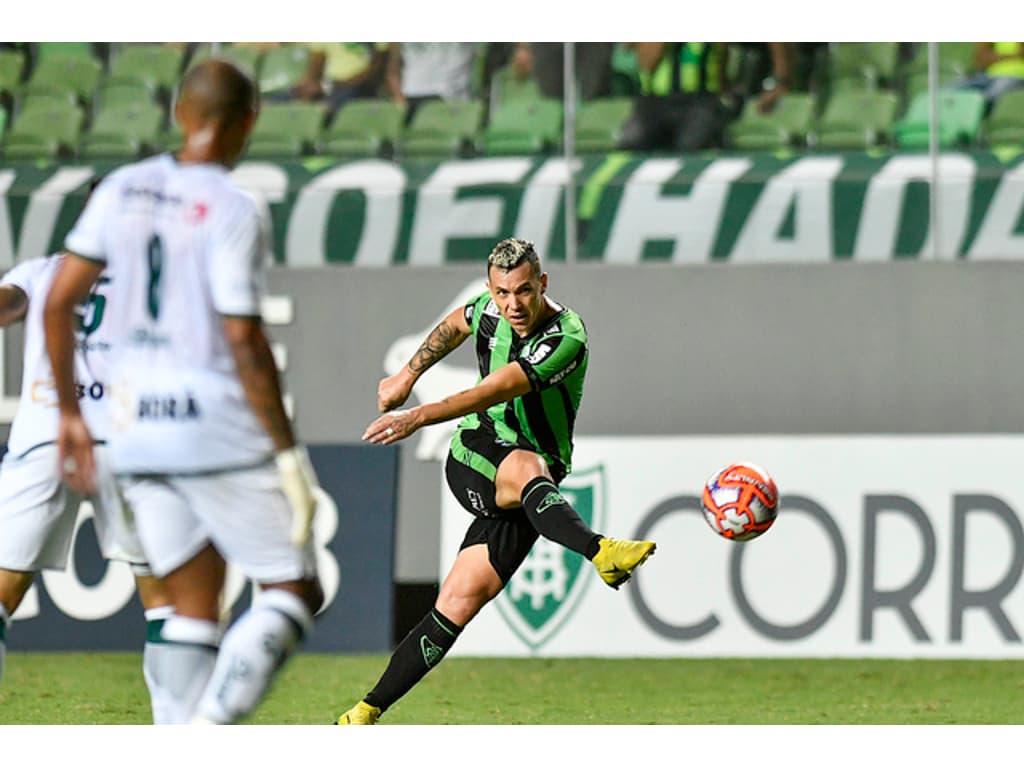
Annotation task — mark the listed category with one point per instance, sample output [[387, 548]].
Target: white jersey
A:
[[187, 247], [35, 423]]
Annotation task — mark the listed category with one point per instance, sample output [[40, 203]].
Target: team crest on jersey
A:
[[545, 591]]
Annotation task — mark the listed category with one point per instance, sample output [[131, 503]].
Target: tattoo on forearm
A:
[[442, 340]]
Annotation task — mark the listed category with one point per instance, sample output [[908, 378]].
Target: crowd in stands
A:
[[61, 101]]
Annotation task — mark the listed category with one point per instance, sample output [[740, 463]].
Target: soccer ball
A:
[[740, 501]]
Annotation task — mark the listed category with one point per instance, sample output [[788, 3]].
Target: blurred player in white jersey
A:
[[37, 510], [200, 440]]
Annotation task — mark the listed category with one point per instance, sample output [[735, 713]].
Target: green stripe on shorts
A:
[[472, 459]]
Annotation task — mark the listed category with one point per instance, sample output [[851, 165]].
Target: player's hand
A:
[[299, 482], [76, 463], [393, 426], [393, 391]]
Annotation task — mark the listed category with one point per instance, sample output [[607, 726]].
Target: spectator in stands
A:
[[1000, 68], [545, 62], [419, 72], [338, 72], [680, 107], [764, 72]]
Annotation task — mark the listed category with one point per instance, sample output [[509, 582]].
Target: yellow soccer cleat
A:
[[616, 560], [361, 714]]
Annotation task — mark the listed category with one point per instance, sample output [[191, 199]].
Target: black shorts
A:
[[472, 463]]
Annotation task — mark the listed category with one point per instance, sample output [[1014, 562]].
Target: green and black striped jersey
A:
[[554, 358]]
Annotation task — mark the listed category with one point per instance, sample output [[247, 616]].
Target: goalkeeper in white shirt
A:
[[200, 440], [38, 511]]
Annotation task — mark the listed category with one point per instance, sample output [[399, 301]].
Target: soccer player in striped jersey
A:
[[510, 452], [200, 438], [37, 510]]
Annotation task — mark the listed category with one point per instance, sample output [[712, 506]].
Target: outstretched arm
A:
[[502, 385], [447, 336]]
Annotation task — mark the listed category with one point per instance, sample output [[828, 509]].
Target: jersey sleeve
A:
[[86, 237], [551, 358], [23, 275], [236, 260]]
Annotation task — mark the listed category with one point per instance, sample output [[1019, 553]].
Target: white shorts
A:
[[38, 514], [243, 513]]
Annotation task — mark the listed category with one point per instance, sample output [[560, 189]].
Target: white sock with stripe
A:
[[184, 666], [252, 652]]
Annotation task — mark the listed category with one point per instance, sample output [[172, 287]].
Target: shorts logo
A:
[[475, 499]]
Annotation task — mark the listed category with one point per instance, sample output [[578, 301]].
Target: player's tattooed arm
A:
[[442, 340], [257, 371]]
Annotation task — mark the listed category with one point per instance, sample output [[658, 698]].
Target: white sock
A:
[[184, 666], [252, 652], [152, 663], [5, 621]]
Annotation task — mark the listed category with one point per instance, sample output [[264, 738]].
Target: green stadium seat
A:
[[282, 68], [955, 60], [287, 130], [599, 124], [960, 114], [1005, 123], [44, 133], [120, 92], [12, 65], [868, 64], [443, 129], [524, 128], [74, 76], [45, 50], [784, 127], [158, 65], [123, 131], [506, 88], [364, 128], [246, 58], [3, 122], [853, 120]]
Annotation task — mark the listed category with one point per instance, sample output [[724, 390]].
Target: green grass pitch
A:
[[107, 688]]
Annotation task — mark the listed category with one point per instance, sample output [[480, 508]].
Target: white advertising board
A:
[[884, 546]]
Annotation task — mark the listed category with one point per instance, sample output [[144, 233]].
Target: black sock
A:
[[550, 514], [420, 651]]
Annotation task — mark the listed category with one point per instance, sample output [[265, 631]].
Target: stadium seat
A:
[[364, 128], [955, 60], [506, 88], [118, 93], [158, 65], [524, 128], [860, 66], [960, 114], [1005, 123], [73, 76], [12, 64], [784, 127], [443, 129], [3, 122], [287, 130], [244, 57], [853, 120], [599, 124], [282, 68], [44, 133], [123, 132]]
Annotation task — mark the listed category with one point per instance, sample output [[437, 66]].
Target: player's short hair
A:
[[219, 90], [511, 252]]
